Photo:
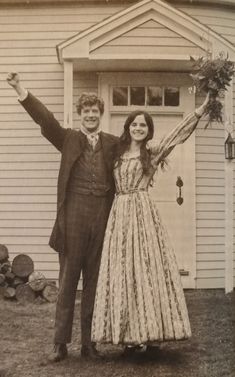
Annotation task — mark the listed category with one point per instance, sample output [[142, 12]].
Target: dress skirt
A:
[[139, 297]]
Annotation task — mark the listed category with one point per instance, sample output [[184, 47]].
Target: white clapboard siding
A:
[[210, 282], [211, 255], [24, 184], [27, 223], [48, 257], [28, 174], [26, 215], [213, 272], [218, 19], [30, 157], [113, 50], [210, 215], [159, 40], [234, 186], [28, 40], [210, 201], [28, 163], [23, 240], [28, 166], [26, 207]]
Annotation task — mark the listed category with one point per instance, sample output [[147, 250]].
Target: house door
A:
[[168, 101]]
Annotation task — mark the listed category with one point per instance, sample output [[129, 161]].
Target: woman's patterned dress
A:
[[139, 297]]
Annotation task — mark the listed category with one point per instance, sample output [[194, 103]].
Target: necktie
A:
[[93, 139]]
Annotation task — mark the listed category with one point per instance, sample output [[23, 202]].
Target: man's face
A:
[[90, 117]]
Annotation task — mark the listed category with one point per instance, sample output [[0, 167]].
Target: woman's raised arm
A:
[[178, 135]]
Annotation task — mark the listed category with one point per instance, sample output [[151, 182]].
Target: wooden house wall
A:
[[29, 164]]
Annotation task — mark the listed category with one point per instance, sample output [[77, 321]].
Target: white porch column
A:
[[68, 94], [103, 92], [229, 196]]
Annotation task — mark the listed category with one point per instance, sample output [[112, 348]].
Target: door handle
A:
[[179, 184]]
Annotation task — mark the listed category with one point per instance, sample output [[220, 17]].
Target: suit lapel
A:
[[108, 149], [77, 145], [74, 146]]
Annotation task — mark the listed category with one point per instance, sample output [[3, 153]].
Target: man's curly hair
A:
[[89, 99]]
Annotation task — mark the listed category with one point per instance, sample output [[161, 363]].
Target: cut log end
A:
[[37, 281], [9, 292], [17, 281], [22, 265], [2, 279], [25, 294], [6, 266], [4, 255], [50, 292], [9, 276]]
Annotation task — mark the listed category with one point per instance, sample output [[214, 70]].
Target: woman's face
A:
[[138, 129]]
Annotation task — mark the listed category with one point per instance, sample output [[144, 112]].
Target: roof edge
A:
[[134, 7], [221, 3], [28, 3]]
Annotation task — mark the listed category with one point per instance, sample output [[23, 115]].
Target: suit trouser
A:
[[85, 222]]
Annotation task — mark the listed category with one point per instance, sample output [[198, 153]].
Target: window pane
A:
[[138, 96], [120, 96], [172, 96], [154, 96]]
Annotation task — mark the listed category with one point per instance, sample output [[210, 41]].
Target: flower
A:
[[213, 76]]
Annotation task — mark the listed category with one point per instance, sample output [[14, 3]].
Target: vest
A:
[[89, 173]]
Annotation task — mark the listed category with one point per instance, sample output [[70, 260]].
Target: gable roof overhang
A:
[[87, 49]]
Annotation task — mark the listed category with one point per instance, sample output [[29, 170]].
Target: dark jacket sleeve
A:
[[50, 127]]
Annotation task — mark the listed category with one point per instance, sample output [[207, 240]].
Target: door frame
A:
[[187, 104]]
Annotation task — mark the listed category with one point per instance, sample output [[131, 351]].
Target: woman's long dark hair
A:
[[125, 139]]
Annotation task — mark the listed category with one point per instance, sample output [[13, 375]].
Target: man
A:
[[85, 194]]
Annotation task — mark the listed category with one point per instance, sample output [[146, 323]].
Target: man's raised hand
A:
[[13, 79]]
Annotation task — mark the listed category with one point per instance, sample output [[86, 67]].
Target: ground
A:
[[26, 333]]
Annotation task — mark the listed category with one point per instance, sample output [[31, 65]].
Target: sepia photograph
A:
[[117, 188]]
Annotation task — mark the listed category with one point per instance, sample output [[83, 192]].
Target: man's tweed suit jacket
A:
[[71, 144]]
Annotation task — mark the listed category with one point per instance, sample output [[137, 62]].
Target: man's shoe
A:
[[59, 353], [90, 352], [152, 351], [130, 351]]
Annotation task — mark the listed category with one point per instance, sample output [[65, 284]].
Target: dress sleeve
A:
[[177, 136]]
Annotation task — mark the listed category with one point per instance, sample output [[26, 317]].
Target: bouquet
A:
[[213, 76]]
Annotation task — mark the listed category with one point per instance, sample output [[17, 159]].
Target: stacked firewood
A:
[[19, 281]]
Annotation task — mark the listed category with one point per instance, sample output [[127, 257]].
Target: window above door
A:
[[147, 96], [158, 93]]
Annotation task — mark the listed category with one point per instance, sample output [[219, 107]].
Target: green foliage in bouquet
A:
[[213, 76]]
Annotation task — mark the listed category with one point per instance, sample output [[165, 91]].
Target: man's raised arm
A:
[[50, 127]]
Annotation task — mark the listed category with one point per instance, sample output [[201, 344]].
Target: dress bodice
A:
[[128, 173], [129, 176]]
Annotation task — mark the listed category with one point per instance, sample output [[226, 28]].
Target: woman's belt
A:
[[131, 191]]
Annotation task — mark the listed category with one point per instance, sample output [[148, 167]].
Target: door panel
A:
[[177, 218]]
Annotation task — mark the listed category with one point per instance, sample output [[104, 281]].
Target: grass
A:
[[26, 334]]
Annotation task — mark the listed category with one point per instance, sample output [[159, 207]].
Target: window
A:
[[172, 97], [154, 96], [120, 96], [145, 96], [137, 96]]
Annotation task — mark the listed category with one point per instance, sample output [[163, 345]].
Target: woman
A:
[[139, 297]]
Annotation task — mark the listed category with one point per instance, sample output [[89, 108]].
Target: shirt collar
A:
[[85, 132]]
